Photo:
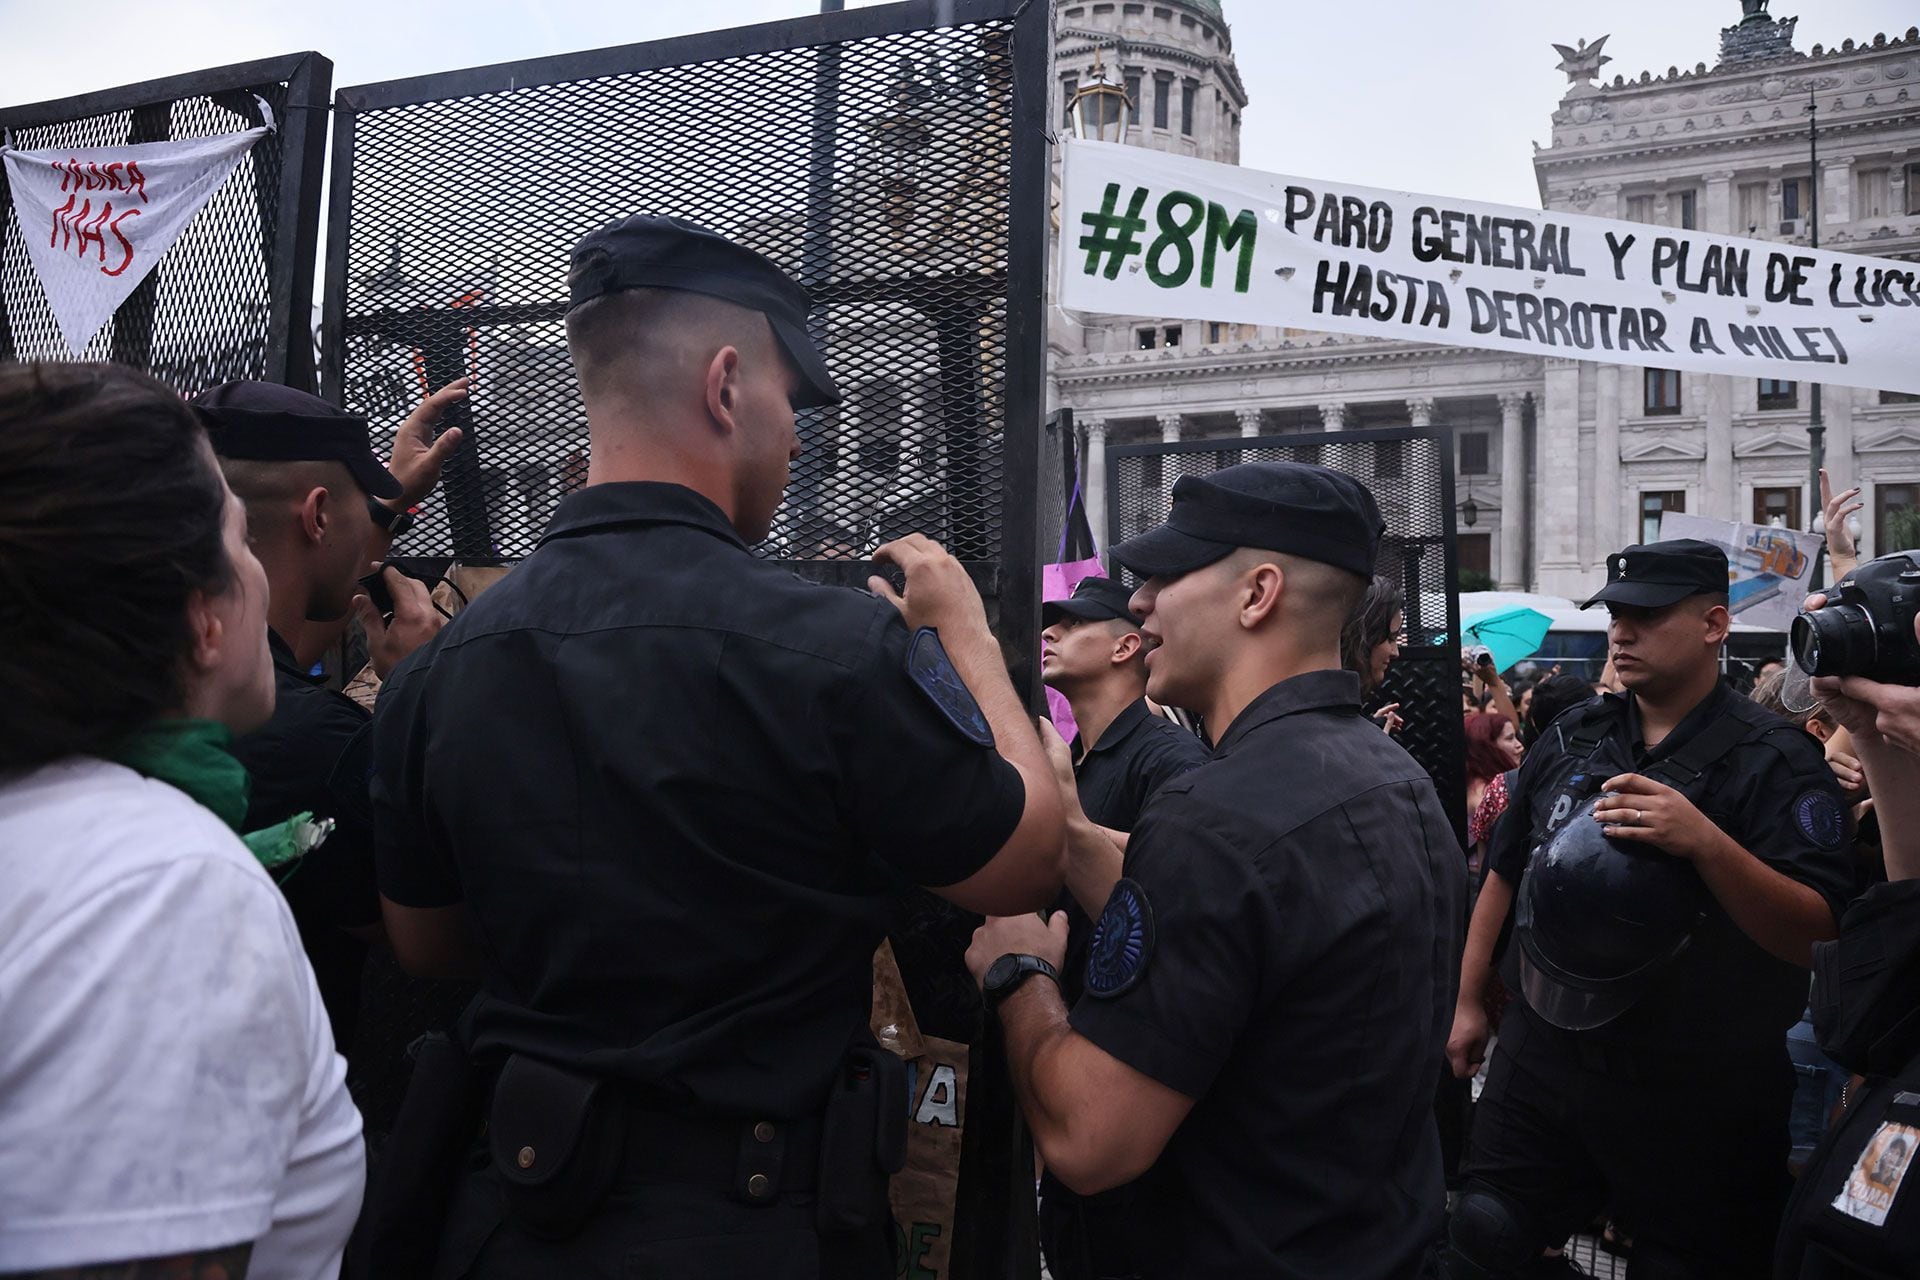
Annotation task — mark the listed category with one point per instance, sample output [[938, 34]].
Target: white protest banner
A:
[[1770, 566], [96, 220], [1149, 234]]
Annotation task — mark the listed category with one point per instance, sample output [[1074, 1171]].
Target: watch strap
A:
[[1025, 966]]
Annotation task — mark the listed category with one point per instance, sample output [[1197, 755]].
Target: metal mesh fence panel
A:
[[1409, 472], [233, 297], [873, 154]]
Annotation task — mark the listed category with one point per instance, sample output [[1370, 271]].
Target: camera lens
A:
[[1835, 641]]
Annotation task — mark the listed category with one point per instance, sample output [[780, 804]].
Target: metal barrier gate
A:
[[233, 297], [1410, 473]]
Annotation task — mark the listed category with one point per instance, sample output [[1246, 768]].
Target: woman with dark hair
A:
[[170, 1098], [1372, 639]]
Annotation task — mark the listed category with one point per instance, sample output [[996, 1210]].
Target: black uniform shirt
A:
[[1283, 949], [676, 786], [295, 760], [1772, 793], [1135, 757]]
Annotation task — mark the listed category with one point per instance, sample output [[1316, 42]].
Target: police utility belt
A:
[[559, 1140]]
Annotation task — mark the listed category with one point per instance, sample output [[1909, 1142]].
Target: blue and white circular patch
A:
[[1821, 819], [1122, 941]]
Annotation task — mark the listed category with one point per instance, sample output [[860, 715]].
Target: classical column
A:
[[1420, 412], [1836, 413], [1718, 214], [1333, 415], [1513, 495], [1250, 421], [1557, 521], [1169, 427], [1095, 492], [1606, 460], [1717, 473]]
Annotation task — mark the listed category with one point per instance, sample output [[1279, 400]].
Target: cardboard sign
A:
[[1771, 567]]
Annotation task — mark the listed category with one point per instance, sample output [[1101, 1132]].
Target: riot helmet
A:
[[1599, 918]]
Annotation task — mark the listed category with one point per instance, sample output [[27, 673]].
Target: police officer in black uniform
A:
[[1268, 985], [1094, 655], [660, 792], [320, 508], [1677, 850]]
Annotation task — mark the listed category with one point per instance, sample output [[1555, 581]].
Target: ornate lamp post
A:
[[1100, 107]]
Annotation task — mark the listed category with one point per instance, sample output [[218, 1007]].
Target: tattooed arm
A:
[[214, 1264]]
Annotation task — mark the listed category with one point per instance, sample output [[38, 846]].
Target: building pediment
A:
[[1772, 444], [1663, 449], [1903, 436]]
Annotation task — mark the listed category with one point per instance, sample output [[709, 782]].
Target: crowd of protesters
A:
[[183, 932]]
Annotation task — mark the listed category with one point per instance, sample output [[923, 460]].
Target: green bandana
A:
[[193, 756]]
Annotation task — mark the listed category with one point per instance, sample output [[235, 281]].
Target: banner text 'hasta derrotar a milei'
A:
[[1151, 234]]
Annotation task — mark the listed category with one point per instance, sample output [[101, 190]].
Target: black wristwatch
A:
[[394, 523], [1006, 974]]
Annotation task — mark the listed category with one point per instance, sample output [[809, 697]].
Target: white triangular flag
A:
[[96, 220]]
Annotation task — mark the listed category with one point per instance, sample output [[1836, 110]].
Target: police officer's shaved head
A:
[[693, 357], [649, 345]]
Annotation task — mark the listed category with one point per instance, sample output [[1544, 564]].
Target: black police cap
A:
[[1312, 512], [266, 422], [1093, 600], [1658, 574], [649, 251]]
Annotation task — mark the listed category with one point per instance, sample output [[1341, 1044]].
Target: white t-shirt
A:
[[168, 1081]]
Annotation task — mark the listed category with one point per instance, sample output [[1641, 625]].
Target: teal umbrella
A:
[[1511, 635]]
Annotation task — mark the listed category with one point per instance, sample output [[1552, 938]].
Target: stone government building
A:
[[1564, 460]]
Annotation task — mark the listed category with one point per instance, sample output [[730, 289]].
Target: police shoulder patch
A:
[[1820, 818], [932, 670], [1122, 942]]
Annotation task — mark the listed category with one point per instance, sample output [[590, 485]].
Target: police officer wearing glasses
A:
[[1675, 851], [658, 793], [1268, 983]]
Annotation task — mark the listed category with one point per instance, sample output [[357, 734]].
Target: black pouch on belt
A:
[[557, 1139], [863, 1139]]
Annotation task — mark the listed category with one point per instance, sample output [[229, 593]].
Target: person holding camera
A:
[[1675, 853], [320, 510], [1853, 1213]]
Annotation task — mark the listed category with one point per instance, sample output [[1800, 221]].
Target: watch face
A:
[[1001, 972]]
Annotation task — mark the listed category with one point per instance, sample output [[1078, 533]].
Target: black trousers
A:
[[1689, 1157], [656, 1232], [1102, 1237]]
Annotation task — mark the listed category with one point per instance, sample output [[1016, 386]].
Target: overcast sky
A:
[[1445, 98]]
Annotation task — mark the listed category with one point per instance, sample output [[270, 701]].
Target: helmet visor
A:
[[1569, 1007]]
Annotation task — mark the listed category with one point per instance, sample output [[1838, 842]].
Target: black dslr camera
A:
[[1866, 628]]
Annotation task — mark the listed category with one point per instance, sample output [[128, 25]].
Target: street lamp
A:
[[900, 140], [1100, 107], [1469, 510]]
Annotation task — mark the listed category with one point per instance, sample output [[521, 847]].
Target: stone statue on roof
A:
[[1582, 64]]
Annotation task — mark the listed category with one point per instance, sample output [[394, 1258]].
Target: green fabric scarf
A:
[[193, 756]]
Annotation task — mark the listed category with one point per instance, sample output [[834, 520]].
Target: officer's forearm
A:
[[1894, 777], [1483, 931], [1776, 911], [1097, 1123], [1093, 862]]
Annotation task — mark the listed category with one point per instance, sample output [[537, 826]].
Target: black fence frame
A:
[[1449, 769], [1008, 581], [294, 221]]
